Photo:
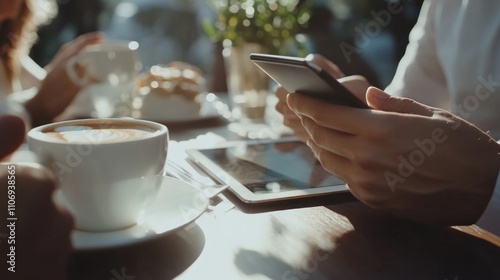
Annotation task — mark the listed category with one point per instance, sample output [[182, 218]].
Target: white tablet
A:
[[263, 171]]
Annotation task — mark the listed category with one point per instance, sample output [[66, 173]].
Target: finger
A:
[[357, 85], [357, 179], [82, 41], [296, 125], [288, 113], [318, 174], [342, 118], [281, 93], [333, 163], [88, 38], [36, 186], [380, 100], [325, 64], [281, 105], [294, 122], [12, 129], [337, 142]]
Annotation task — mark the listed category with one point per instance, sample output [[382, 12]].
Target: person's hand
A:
[[405, 158], [40, 235], [290, 119], [355, 84], [41, 230], [57, 90], [13, 131]]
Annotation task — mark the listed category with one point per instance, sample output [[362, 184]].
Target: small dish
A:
[[210, 107], [176, 205]]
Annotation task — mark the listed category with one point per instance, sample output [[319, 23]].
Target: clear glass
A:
[[248, 86]]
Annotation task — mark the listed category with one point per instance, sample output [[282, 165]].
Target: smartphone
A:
[[303, 76]]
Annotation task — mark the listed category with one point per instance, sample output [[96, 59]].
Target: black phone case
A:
[[301, 76]]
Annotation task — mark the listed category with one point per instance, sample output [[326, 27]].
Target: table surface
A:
[[341, 239]]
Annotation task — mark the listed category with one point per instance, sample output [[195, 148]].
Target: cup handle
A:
[[72, 73]]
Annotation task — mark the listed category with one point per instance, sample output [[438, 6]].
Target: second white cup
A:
[[107, 72]]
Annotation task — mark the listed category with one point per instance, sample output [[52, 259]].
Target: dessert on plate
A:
[[171, 92]]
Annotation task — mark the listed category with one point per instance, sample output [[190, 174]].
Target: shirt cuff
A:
[[22, 96], [490, 220]]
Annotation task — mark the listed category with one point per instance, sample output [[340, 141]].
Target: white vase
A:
[[248, 86]]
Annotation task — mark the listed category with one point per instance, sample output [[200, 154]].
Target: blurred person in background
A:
[[34, 93], [29, 96], [74, 18]]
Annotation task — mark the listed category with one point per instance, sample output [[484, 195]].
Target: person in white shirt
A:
[[438, 164], [36, 94]]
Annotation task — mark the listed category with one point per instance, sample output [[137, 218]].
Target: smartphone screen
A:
[[303, 76]]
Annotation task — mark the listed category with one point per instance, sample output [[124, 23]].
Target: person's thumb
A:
[[377, 99]]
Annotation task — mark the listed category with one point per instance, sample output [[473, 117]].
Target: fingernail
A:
[[378, 93], [308, 143], [291, 100]]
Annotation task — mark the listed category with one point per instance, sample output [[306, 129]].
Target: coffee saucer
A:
[[176, 205]]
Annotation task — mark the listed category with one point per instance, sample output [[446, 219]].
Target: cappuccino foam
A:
[[96, 133]]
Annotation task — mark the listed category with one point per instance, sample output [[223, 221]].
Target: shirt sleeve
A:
[[419, 74], [31, 73], [490, 220], [9, 107]]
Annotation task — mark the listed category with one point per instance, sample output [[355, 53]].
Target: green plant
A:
[[272, 23]]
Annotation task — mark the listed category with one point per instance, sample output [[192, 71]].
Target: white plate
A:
[[176, 205], [211, 107]]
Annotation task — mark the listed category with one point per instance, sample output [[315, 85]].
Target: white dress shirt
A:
[[453, 62]]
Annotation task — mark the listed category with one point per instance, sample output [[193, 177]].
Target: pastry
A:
[[171, 91]]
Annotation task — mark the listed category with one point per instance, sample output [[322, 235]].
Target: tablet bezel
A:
[[215, 171]]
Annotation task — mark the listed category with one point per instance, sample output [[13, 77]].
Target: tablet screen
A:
[[272, 167]]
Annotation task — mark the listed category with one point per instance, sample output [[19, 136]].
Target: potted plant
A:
[[260, 26], [273, 24]]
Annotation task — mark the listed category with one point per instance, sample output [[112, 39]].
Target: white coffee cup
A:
[[108, 73], [111, 63], [107, 168]]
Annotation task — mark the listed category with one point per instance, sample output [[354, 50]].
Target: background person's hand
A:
[[408, 159], [57, 90], [356, 84]]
